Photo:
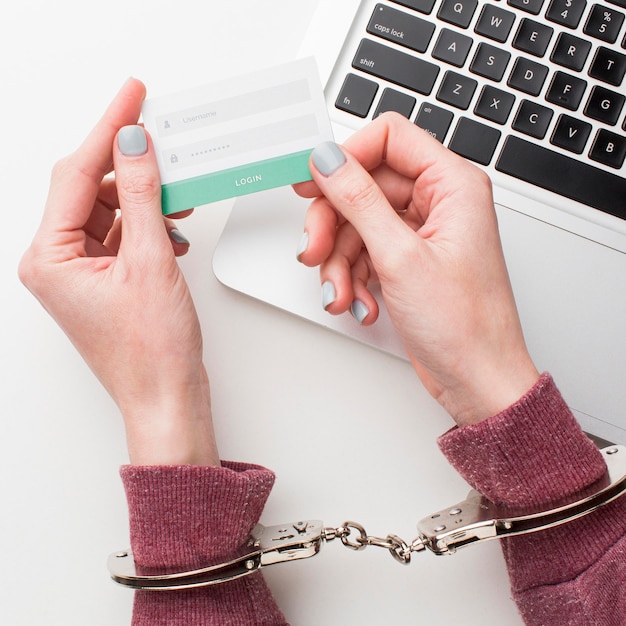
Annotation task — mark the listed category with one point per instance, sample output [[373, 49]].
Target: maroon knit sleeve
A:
[[187, 517], [534, 453]]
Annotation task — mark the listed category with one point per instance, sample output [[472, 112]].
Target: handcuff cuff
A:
[[474, 520]]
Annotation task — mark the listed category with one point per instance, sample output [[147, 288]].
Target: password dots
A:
[[210, 150]]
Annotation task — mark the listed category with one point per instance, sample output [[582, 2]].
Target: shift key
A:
[[395, 66]]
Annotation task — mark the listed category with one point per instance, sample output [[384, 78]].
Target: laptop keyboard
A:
[[533, 88]]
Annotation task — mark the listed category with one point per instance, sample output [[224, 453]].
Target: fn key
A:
[[356, 95]]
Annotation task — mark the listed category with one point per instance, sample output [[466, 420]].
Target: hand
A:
[[113, 284], [397, 207]]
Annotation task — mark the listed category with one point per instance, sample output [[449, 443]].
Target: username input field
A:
[[234, 107]]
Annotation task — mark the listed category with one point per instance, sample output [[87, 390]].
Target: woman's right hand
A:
[[397, 207]]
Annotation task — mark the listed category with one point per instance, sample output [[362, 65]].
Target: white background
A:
[[350, 432]]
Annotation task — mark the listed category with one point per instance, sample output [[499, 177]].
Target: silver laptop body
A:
[[566, 258]]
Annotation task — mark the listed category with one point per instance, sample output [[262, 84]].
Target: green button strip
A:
[[236, 181]]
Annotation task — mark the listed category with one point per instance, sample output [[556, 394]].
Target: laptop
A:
[[533, 91]]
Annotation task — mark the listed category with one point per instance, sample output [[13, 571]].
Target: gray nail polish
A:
[[303, 245], [359, 310], [328, 294], [178, 237], [328, 158], [132, 141]]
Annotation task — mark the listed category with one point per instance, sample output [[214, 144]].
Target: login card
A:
[[238, 136]]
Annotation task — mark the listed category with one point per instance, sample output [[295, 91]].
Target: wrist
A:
[[486, 392], [174, 427]]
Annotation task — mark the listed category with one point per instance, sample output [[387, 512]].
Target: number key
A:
[[566, 12], [604, 23], [530, 6]]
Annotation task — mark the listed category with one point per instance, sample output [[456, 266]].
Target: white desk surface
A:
[[350, 432]]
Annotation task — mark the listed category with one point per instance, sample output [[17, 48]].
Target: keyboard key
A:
[[527, 76], [490, 61], [393, 100], [395, 66], [571, 134], [494, 104], [566, 12], [530, 6], [452, 47], [563, 175], [474, 141], [457, 12], [604, 23], [566, 91], [401, 28], [604, 105], [533, 119], [619, 3], [532, 37], [356, 95], [423, 6], [608, 66], [570, 52], [609, 149], [457, 90], [434, 120], [495, 23]]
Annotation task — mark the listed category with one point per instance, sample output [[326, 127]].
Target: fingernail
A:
[[328, 294], [132, 141], [359, 310], [328, 158], [303, 245], [178, 237]]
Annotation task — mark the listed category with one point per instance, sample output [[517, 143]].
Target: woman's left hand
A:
[[103, 263]]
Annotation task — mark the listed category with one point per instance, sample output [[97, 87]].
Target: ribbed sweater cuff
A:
[[532, 453], [187, 516]]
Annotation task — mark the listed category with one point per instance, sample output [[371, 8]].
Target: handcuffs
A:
[[474, 520]]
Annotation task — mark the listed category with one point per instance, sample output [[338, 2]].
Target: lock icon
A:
[[173, 159]]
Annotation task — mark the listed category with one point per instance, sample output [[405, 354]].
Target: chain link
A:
[[354, 536]]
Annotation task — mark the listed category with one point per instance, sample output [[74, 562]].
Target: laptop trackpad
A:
[[572, 302], [568, 291]]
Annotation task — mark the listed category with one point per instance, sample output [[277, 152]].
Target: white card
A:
[[238, 136]]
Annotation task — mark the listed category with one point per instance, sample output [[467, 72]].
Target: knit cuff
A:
[[186, 517], [532, 453]]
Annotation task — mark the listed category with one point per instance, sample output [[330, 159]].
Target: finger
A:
[[181, 214], [104, 212], [403, 146], [144, 235], [364, 307], [353, 192], [180, 244], [337, 270], [76, 179], [318, 240]]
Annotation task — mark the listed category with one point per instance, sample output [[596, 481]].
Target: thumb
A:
[[139, 193], [352, 191]]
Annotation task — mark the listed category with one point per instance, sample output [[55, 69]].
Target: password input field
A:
[[240, 143]]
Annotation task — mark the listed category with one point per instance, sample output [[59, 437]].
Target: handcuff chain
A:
[[398, 548]]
